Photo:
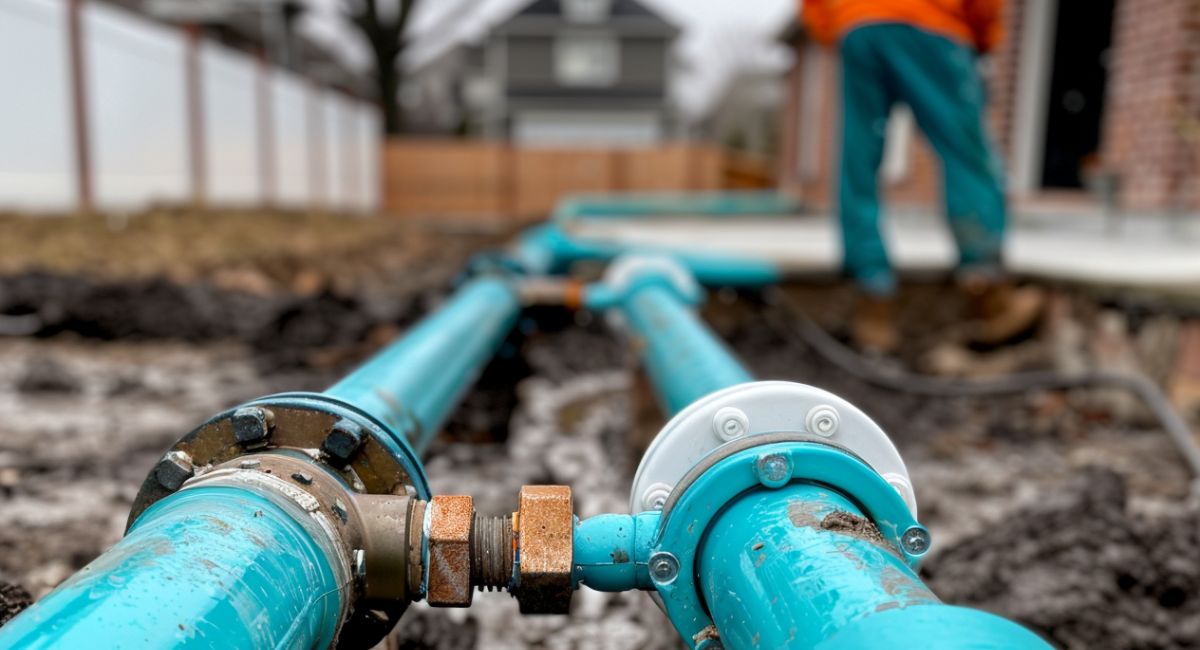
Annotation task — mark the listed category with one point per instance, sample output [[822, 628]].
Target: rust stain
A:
[[762, 557], [757, 547], [546, 525], [619, 556], [450, 551], [708, 633]]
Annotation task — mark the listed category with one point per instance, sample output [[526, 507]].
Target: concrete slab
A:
[[1148, 252]]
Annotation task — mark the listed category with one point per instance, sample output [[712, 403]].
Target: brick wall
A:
[[1151, 130]]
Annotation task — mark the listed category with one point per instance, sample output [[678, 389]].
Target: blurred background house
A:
[[553, 97], [572, 72], [509, 104], [1092, 101]]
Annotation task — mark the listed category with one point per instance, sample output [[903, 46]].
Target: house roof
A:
[[619, 8], [624, 15]]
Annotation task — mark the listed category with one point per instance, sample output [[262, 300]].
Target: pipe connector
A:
[[528, 553]]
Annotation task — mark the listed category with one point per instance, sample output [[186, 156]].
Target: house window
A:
[[587, 60], [586, 11]]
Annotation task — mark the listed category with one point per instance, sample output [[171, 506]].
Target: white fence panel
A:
[[138, 109], [230, 126], [289, 95], [333, 112], [370, 128], [37, 153]]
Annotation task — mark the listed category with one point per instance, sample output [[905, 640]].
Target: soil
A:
[[1068, 512]]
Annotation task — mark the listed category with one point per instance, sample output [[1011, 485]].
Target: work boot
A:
[[1000, 311], [874, 327]]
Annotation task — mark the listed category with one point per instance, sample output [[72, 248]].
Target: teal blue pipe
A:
[[414, 383], [777, 572], [207, 567], [611, 551], [717, 205], [684, 359], [549, 250]]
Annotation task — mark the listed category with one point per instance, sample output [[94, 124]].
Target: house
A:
[[573, 72], [1091, 100]]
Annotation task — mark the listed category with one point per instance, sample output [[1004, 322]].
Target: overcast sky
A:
[[719, 35]]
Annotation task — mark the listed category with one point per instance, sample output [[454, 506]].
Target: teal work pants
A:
[[937, 78]]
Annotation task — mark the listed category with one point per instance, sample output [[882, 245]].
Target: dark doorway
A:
[[1079, 74]]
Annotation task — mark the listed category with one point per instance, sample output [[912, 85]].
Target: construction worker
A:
[[922, 53]]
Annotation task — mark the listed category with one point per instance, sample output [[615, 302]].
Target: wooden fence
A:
[[424, 177]]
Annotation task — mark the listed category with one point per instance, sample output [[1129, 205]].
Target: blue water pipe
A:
[[245, 564], [771, 541], [775, 540], [550, 249], [210, 567], [413, 384], [796, 567]]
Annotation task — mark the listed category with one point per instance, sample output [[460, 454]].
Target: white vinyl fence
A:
[[319, 149]]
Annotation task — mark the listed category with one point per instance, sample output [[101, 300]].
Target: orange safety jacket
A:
[[972, 22]]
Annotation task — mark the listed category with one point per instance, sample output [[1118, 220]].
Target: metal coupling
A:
[[528, 553]]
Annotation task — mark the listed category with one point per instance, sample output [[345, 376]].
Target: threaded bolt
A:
[[343, 441], [916, 540], [492, 552], [175, 468], [252, 425], [664, 568], [774, 470]]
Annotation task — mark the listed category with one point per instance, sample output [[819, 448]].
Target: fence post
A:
[[79, 107], [266, 133], [317, 165], [194, 91]]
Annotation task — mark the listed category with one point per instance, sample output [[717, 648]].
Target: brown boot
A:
[[874, 327], [1001, 311]]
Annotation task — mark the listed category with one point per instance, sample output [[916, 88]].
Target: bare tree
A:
[[384, 29]]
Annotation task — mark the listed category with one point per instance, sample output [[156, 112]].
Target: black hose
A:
[[897, 379]]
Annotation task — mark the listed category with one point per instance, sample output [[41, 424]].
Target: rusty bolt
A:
[[252, 425], [343, 440], [450, 522], [545, 526], [175, 468]]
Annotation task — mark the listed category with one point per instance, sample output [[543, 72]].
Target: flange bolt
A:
[[175, 468], [664, 568], [343, 441], [252, 425], [774, 470], [916, 540]]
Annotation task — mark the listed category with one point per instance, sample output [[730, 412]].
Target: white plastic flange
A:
[[766, 407]]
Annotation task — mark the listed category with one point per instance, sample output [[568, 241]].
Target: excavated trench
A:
[[1065, 511]]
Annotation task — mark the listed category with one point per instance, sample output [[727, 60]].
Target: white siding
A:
[[230, 126], [136, 96], [37, 154]]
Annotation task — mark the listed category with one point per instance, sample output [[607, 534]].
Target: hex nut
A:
[[174, 469], [252, 425], [343, 441], [545, 526], [450, 521]]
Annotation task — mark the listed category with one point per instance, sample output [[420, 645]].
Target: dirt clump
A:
[[853, 525], [1084, 569], [13, 599]]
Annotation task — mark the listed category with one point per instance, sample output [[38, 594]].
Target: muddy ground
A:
[[1069, 512]]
